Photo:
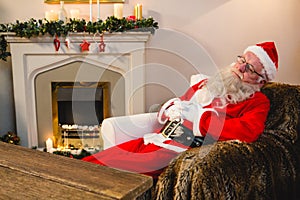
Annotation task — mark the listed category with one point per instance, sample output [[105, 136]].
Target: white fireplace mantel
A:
[[124, 54]]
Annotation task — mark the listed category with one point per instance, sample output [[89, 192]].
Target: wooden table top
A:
[[30, 174]]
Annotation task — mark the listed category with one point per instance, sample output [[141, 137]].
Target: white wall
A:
[[194, 35]]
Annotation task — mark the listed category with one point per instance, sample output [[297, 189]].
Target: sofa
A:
[[268, 168]]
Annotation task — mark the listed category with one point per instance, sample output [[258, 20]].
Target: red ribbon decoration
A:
[[101, 44], [56, 43], [67, 42], [131, 18]]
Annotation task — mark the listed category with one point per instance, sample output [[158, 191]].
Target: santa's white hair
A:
[[229, 88]]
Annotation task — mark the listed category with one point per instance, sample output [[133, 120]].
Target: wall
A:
[[194, 36]]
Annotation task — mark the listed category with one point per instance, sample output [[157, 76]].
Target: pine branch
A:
[[35, 28]]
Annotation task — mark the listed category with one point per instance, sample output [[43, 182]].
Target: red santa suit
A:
[[243, 121]]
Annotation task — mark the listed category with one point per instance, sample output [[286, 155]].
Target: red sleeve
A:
[[244, 121], [191, 91]]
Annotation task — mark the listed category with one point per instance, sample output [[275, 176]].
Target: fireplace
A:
[[78, 109], [38, 69]]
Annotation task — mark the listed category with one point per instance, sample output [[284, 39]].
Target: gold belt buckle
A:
[[170, 128]]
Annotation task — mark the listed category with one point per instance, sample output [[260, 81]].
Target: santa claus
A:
[[227, 106]]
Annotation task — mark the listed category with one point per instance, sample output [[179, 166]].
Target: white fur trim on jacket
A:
[[159, 139]]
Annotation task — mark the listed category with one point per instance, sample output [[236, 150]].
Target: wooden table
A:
[[30, 174]]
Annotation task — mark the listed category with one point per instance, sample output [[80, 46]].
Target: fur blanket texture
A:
[[265, 169]]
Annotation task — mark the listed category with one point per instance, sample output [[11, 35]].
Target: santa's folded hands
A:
[[177, 109]]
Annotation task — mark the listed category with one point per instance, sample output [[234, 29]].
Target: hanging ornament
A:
[[101, 44], [85, 45], [67, 42], [56, 43]]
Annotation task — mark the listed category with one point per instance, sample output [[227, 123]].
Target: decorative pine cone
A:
[[11, 138]]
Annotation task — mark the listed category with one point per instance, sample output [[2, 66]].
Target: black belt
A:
[[181, 134]]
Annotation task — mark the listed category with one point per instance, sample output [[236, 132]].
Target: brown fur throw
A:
[[265, 169]]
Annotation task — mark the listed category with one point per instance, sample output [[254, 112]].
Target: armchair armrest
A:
[[117, 130]]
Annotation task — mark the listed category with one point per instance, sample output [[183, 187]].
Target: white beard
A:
[[230, 89]]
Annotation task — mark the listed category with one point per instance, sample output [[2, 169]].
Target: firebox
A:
[[78, 110]]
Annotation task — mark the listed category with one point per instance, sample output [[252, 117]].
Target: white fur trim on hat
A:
[[264, 59]]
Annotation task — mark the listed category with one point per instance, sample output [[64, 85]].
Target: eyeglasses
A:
[[249, 67]]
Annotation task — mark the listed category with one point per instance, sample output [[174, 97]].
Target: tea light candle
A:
[[91, 10], [74, 14], [118, 10], [51, 16], [49, 144], [138, 9]]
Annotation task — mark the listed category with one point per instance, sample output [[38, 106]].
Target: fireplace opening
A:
[[79, 105], [78, 111]]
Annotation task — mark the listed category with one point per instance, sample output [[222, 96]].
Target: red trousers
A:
[[134, 156]]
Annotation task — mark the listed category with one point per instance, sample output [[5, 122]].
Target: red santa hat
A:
[[267, 54]]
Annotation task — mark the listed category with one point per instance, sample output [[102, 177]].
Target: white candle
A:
[[98, 10], [118, 10], [49, 145], [91, 10], [51, 16]]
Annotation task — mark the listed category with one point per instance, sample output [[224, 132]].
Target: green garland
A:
[[34, 28], [3, 46]]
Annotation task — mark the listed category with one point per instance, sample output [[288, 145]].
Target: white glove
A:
[[190, 110], [169, 110], [174, 111], [183, 110]]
